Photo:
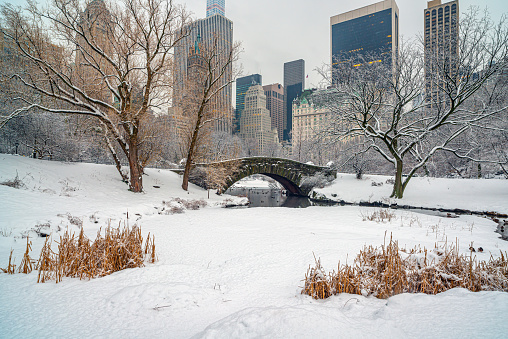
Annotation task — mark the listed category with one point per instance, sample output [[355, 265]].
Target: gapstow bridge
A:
[[297, 178]]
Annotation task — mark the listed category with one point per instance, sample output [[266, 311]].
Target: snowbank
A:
[[228, 273]]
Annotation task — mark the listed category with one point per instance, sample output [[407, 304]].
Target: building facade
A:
[[441, 35], [294, 83], [242, 86], [215, 31], [309, 119], [366, 35], [255, 122], [275, 104]]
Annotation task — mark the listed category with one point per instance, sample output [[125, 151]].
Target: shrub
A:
[[390, 270]]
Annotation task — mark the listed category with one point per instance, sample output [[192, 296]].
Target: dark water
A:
[[270, 197]]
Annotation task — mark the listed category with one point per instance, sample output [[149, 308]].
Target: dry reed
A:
[[382, 215], [27, 263], [78, 257], [389, 270], [11, 268]]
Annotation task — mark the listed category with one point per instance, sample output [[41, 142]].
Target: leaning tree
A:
[[388, 108], [108, 61], [201, 100]]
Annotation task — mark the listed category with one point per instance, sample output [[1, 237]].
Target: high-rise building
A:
[[213, 29], [96, 24], [242, 86], [215, 7], [275, 104], [294, 83], [255, 123], [366, 35], [441, 37]]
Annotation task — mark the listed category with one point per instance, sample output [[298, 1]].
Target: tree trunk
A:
[[136, 179], [118, 164], [190, 156], [398, 186]]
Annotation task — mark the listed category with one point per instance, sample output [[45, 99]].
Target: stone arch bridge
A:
[[297, 178]]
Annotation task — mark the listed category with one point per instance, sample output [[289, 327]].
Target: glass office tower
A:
[[366, 35], [294, 83]]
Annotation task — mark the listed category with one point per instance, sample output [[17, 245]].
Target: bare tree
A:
[[217, 174], [386, 106], [111, 63], [210, 74]]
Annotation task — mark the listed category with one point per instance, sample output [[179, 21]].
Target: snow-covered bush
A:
[[178, 205]]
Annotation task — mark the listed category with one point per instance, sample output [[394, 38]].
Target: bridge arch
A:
[[294, 176], [288, 184]]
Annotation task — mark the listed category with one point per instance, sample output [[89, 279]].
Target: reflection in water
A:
[[269, 197]]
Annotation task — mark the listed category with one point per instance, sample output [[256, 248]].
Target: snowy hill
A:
[[234, 273]]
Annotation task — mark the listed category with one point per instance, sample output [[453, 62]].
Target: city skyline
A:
[[307, 32]]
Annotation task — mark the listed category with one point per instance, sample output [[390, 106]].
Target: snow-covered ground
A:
[[235, 273], [480, 195]]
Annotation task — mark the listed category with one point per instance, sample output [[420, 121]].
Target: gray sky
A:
[[276, 31]]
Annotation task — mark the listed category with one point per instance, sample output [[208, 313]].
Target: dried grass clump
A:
[[14, 183], [382, 215], [11, 268], [79, 257], [27, 264], [389, 270]]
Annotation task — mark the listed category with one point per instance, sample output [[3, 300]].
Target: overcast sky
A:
[[276, 31]]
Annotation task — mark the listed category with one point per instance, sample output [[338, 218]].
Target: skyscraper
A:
[[441, 37], [215, 7], [255, 123], [242, 86], [275, 104], [96, 24], [366, 35], [294, 83], [213, 28]]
